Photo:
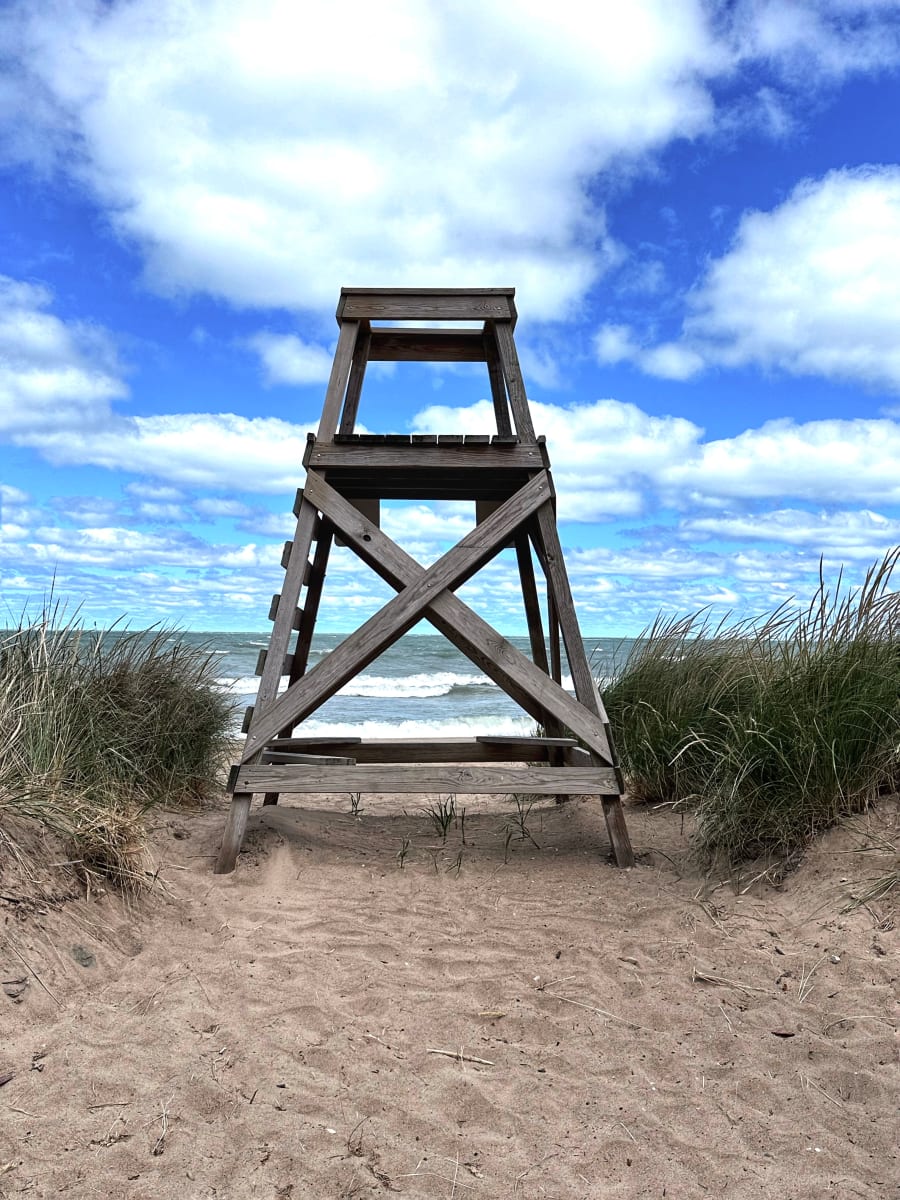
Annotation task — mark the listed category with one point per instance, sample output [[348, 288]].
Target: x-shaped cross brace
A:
[[427, 592]]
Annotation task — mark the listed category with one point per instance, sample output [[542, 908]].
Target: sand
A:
[[494, 1018]]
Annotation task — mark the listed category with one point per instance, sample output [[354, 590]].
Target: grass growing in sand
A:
[[768, 730], [99, 727]]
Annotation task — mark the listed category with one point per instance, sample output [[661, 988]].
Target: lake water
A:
[[421, 687]]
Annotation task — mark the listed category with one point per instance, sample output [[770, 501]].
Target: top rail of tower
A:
[[427, 304]]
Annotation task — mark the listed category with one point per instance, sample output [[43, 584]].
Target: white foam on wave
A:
[[397, 687], [437, 683], [246, 685], [505, 726]]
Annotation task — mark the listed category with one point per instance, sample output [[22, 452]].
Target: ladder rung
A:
[[286, 664], [273, 611]]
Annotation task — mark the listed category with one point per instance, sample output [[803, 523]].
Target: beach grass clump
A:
[[97, 728], [683, 681], [768, 730]]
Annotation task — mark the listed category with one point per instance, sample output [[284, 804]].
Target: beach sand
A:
[[491, 1019]]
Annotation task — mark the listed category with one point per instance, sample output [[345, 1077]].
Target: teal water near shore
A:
[[421, 686]]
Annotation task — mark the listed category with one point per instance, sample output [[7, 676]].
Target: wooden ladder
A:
[[508, 477]]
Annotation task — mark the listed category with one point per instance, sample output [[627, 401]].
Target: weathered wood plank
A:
[[512, 741], [287, 757], [337, 383], [305, 618], [235, 825], [398, 615], [423, 304], [357, 375], [309, 744], [547, 537], [310, 611], [426, 345], [531, 601], [576, 756], [498, 386], [418, 778], [440, 456], [430, 750], [282, 626], [558, 580], [515, 386]]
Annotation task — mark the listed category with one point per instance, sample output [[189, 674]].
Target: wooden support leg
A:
[[582, 677], [234, 832], [617, 830], [553, 728], [498, 386], [512, 372], [357, 374]]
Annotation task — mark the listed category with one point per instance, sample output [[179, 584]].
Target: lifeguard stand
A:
[[507, 475]]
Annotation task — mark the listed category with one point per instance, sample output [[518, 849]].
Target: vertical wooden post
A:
[[357, 374], [235, 826], [512, 372], [498, 386], [337, 383], [582, 677]]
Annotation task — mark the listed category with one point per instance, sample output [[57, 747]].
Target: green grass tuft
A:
[[769, 730], [99, 727]]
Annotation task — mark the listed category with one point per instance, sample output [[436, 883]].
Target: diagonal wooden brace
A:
[[398, 615]]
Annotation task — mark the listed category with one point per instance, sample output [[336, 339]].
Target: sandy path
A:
[[268, 1034]]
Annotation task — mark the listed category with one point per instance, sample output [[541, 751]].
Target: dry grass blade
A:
[[698, 976], [857, 1017], [460, 1057], [601, 1012], [805, 985]]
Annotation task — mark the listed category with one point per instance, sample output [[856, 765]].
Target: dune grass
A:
[[768, 730], [97, 728]]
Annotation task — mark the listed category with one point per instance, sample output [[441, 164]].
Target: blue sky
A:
[[698, 204]]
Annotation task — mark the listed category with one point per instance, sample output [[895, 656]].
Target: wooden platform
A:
[[507, 474]]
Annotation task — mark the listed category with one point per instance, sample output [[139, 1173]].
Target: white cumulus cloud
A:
[[811, 288], [287, 358], [287, 149]]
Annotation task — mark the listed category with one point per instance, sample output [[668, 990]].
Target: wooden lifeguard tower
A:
[[507, 475]]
